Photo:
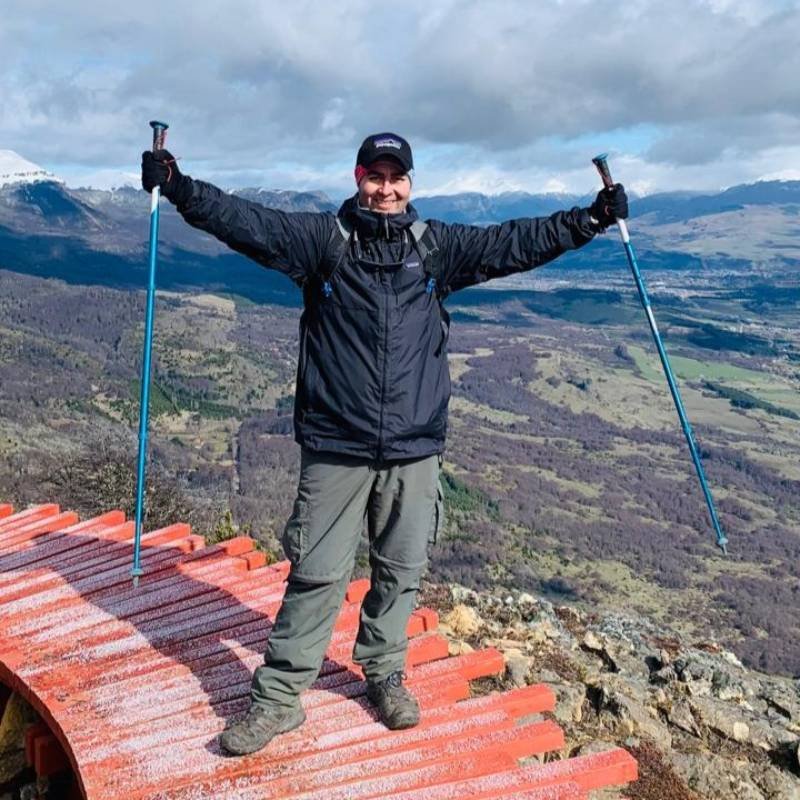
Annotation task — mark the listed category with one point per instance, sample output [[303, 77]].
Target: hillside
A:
[[566, 471]]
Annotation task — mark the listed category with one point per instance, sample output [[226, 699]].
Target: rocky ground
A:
[[701, 726], [699, 723]]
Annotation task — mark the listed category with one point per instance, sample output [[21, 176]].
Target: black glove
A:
[[610, 205], [159, 168]]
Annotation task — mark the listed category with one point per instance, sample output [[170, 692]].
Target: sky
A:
[[494, 95]]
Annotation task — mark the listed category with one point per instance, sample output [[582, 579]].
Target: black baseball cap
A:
[[385, 145]]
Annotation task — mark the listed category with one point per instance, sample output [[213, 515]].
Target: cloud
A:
[[504, 89]]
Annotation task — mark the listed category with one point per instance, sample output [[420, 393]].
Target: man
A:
[[370, 403]]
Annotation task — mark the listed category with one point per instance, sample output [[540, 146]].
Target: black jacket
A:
[[372, 376]]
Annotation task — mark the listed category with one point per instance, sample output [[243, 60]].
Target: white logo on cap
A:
[[388, 143]]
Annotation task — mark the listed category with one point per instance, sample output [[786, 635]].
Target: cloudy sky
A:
[[494, 95]]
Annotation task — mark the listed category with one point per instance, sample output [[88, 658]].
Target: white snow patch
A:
[[16, 169], [107, 180]]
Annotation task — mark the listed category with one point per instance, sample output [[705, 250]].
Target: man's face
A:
[[386, 188]]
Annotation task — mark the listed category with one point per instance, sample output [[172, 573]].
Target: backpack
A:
[[422, 239]]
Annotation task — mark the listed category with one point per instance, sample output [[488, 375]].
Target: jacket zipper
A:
[[385, 302]]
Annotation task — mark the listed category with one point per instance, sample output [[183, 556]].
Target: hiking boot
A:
[[397, 707], [259, 727]]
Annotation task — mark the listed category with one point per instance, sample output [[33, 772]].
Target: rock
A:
[[741, 731], [628, 662], [691, 668], [771, 736], [463, 620], [459, 648], [725, 687], [712, 776], [594, 747], [732, 692], [777, 784], [504, 645], [517, 667], [618, 655], [721, 718], [569, 702], [699, 688], [632, 709], [542, 631], [462, 595], [664, 676], [661, 699], [548, 676], [680, 715], [731, 659], [781, 699], [591, 642]]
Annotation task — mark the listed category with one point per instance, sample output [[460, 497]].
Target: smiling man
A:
[[383, 174], [371, 402]]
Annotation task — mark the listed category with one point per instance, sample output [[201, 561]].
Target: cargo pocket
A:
[[437, 522], [295, 533]]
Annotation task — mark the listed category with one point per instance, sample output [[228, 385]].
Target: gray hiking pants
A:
[[400, 502]]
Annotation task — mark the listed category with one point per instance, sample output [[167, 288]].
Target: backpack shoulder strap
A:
[[428, 248], [336, 250], [343, 229]]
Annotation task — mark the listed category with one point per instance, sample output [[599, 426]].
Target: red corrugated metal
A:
[[134, 685]]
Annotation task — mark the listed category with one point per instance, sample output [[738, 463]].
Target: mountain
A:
[[284, 200], [676, 206], [100, 236], [480, 209], [15, 169]]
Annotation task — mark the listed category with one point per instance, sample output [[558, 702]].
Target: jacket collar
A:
[[371, 224]]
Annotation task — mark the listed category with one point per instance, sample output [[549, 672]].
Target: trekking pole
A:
[[159, 135], [601, 162]]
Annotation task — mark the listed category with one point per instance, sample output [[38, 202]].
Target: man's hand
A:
[[159, 168], [610, 205]]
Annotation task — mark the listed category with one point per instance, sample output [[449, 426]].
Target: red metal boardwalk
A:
[[135, 685]]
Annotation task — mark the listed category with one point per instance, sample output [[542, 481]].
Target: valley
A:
[[566, 471]]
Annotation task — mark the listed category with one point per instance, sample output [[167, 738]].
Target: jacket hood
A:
[[373, 225]]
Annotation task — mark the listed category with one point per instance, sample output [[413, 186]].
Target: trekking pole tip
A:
[[135, 575], [154, 123]]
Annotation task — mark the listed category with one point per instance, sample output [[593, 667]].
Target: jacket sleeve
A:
[[292, 243], [473, 254]]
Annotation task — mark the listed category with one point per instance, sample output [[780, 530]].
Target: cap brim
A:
[[389, 156]]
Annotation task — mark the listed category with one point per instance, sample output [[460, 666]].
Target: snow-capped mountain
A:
[[15, 169], [107, 180]]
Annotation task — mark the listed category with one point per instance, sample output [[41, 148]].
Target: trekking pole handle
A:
[[159, 134], [601, 162]]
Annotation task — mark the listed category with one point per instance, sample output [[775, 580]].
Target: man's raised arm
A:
[[473, 254], [292, 243]]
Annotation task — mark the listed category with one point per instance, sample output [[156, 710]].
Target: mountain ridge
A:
[[100, 236]]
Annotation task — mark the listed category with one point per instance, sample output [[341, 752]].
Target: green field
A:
[[691, 369]]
